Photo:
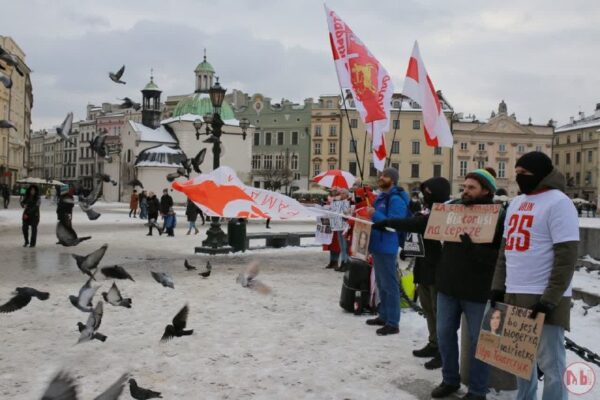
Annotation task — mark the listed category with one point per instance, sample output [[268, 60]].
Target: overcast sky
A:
[[541, 57]]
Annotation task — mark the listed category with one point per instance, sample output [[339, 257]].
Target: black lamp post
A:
[[216, 238]]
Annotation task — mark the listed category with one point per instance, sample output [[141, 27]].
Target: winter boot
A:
[[434, 363], [197, 231], [332, 264], [387, 330], [426, 352], [444, 390], [189, 231], [375, 322]]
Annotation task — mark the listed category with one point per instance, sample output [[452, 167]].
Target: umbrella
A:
[[579, 200], [335, 178]]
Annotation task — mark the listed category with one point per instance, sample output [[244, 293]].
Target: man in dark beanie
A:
[[536, 265], [392, 202]]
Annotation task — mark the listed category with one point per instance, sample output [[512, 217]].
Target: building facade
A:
[[497, 143], [325, 133], [15, 106], [576, 154], [36, 154], [280, 142], [69, 163]]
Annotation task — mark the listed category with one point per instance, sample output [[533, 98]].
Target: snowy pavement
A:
[[296, 343]]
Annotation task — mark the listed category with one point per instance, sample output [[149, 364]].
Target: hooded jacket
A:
[[391, 204], [565, 256], [425, 267]]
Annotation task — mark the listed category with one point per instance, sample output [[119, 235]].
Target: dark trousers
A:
[[428, 299], [25, 228], [134, 211], [6, 201], [152, 223]]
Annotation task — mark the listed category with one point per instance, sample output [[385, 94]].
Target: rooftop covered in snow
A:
[[158, 135]]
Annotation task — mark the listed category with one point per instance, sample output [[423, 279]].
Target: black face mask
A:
[[527, 183]]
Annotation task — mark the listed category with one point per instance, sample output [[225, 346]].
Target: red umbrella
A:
[[335, 178]]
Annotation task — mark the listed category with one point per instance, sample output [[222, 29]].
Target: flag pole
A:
[[360, 170], [365, 151], [389, 159]]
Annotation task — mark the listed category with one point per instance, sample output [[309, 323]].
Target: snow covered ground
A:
[[296, 343]]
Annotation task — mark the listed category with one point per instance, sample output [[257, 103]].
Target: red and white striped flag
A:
[[418, 86], [367, 79]]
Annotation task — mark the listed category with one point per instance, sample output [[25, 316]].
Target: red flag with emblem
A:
[[370, 83]]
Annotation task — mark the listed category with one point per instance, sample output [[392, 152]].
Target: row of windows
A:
[[501, 147], [463, 168], [352, 168], [579, 138], [279, 139], [576, 180], [260, 161], [416, 125], [590, 157], [332, 148]]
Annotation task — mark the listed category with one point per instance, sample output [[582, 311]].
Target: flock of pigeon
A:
[[63, 386]]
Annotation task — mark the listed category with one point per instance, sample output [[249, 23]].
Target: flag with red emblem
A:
[[418, 86], [367, 79]]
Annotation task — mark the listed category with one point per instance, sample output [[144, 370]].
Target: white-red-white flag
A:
[[367, 79], [418, 86]]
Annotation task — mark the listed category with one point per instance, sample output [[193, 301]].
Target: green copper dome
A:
[[151, 85], [204, 66], [199, 104]]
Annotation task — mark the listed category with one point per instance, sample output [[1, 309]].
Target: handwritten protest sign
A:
[[509, 339], [360, 239], [448, 221], [323, 234]]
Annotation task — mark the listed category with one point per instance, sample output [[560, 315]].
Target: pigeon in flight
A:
[[188, 266], [163, 278], [178, 327], [106, 178], [139, 393], [83, 301], [89, 211], [248, 279], [4, 123], [198, 160], [11, 60], [128, 103], [115, 390], [174, 175], [67, 236], [97, 145], [5, 79], [206, 273], [92, 324], [62, 387], [113, 297], [116, 272], [22, 297], [136, 182], [91, 261], [116, 77], [96, 335], [64, 130]]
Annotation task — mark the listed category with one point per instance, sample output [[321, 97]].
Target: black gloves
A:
[[496, 296], [466, 240], [541, 307], [381, 225]]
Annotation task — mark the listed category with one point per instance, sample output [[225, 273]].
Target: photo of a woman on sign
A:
[[493, 321], [360, 240]]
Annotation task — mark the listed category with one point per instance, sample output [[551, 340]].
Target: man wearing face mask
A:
[[435, 190], [536, 265], [463, 281], [392, 202]]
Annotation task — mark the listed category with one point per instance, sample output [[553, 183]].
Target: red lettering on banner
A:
[[269, 200]]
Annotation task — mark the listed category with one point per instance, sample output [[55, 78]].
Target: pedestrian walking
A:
[[5, 195], [31, 214], [153, 209], [435, 190], [166, 202], [392, 202], [536, 265], [191, 212], [143, 200], [133, 204], [463, 281], [170, 222], [594, 207]]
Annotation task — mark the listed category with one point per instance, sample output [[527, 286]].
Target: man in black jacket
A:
[[153, 208], [435, 190], [166, 202]]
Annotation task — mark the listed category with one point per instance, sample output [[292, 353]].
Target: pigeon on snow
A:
[[63, 387], [83, 301], [67, 236], [188, 266], [139, 393], [113, 297], [163, 278], [248, 279], [96, 335], [92, 324], [91, 261], [116, 272], [206, 273], [177, 329], [22, 297]]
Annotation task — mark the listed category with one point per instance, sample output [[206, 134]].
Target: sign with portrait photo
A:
[[448, 221], [509, 339], [360, 240], [323, 234], [413, 245]]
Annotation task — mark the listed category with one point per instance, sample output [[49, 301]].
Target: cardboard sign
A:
[[413, 245], [361, 234], [448, 221], [323, 234], [509, 339]]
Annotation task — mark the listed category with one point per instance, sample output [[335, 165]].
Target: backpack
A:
[[409, 213]]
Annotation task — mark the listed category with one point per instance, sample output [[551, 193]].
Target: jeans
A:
[[192, 225], [449, 310], [343, 246], [143, 211], [551, 360], [388, 286]]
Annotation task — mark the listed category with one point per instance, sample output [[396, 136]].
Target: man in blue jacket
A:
[[392, 202]]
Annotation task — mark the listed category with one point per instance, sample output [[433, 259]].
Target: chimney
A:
[[597, 106], [571, 120], [581, 115]]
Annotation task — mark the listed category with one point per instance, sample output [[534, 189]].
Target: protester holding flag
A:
[[536, 265], [392, 202], [463, 282], [435, 190]]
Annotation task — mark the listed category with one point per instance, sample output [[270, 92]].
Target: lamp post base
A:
[[215, 237], [213, 250]]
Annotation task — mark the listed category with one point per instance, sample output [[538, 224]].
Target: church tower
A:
[[151, 104], [204, 76]]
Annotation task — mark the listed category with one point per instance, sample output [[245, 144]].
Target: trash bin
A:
[[236, 233]]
